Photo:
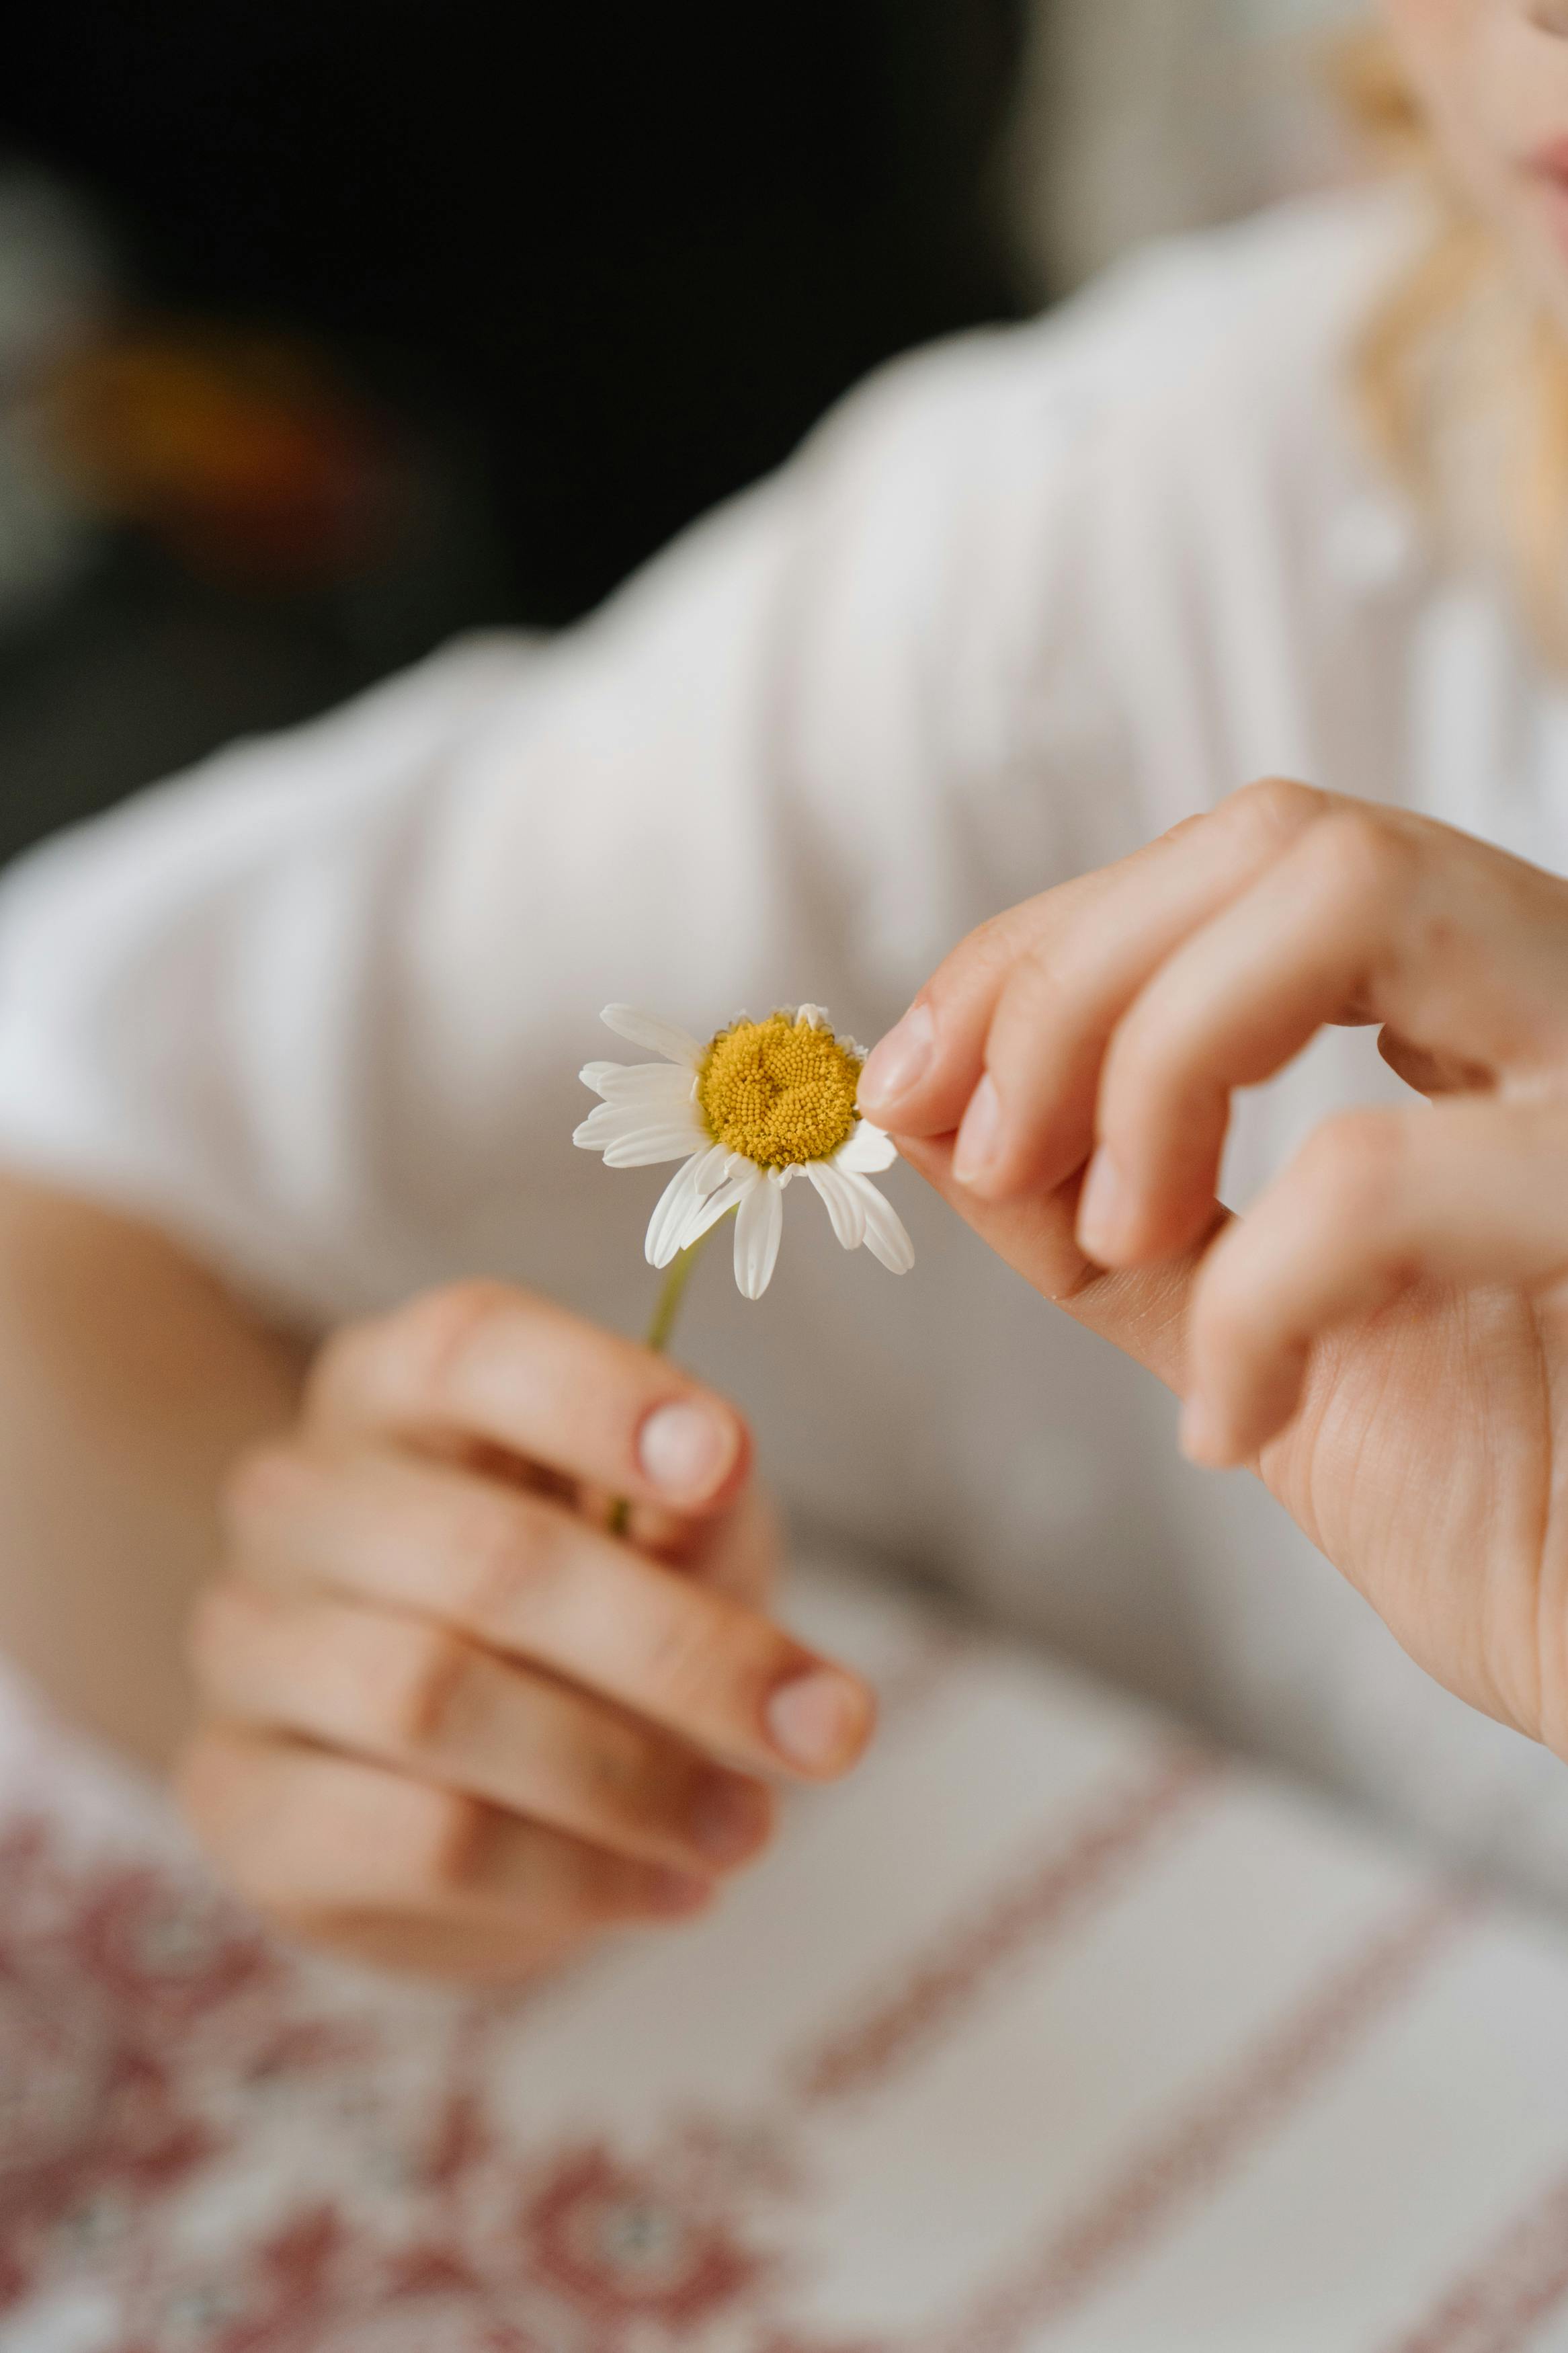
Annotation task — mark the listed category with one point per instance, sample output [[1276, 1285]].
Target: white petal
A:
[[885, 1236], [611, 1118], [604, 1125], [595, 1074], [707, 1213], [680, 1201], [815, 1017], [651, 1085], [618, 1123], [650, 1144], [758, 1231], [713, 1170], [675, 1204], [866, 1152], [845, 1206], [658, 1036]]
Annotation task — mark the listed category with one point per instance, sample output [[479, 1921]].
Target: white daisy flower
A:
[[758, 1105]]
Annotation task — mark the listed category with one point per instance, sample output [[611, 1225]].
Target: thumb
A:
[[1142, 1310]]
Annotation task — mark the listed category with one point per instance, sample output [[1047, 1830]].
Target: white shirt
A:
[[1022, 602]]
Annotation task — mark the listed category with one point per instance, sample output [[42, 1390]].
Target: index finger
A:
[[1027, 1001], [481, 1360]]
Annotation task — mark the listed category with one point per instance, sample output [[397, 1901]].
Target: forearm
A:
[[129, 1380]]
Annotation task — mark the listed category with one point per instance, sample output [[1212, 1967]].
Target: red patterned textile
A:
[[1052, 2031]]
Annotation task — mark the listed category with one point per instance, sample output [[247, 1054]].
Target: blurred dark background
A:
[[403, 319]]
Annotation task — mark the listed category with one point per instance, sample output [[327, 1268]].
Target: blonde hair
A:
[[1462, 374]]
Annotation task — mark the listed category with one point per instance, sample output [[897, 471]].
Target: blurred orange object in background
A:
[[243, 453]]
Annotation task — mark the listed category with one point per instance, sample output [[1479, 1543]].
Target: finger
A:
[[1235, 1000], [740, 1553], [1031, 1122], [404, 1874], [1373, 915], [522, 1577], [1467, 1192], [736, 1551], [1027, 1002], [484, 1361], [1141, 1312], [407, 1693], [919, 1077]]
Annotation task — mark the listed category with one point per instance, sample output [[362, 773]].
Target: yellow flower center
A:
[[779, 1091]]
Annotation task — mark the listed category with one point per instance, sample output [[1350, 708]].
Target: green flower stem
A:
[[660, 1331], [672, 1292]]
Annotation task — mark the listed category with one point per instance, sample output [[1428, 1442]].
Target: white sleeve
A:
[[319, 1006]]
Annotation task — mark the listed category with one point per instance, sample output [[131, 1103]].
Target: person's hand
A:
[[1382, 1335], [452, 1724]]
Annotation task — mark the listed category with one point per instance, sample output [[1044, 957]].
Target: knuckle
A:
[[1157, 1088], [681, 1659], [1363, 855], [989, 952], [335, 1367], [1354, 1165], [503, 1550], [990, 947], [1150, 1051], [424, 1339], [550, 1884], [616, 1890], [638, 1780], [1278, 808], [604, 1889], [442, 1324], [418, 1699], [222, 1615], [443, 1842], [207, 1633], [261, 1480], [1231, 1309], [1042, 968]]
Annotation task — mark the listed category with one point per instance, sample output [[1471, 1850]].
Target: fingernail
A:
[[900, 1061], [678, 1891], [817, 1721], [1104, 1210], [730, 1819], [981, 1133], [685, 1449]]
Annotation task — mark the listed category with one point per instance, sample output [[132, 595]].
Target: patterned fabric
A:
[[1050, 2030]]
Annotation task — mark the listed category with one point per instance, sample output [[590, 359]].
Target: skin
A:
[[421, 1708], [424, 1710], [1382, 1337], [1492, 78], [449, 1722]]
